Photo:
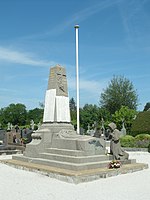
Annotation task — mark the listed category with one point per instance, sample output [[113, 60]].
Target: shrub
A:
[[127, 141], [141, 124], [142, 141], [149, 148]]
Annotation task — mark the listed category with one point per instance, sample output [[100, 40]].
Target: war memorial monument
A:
[[58, 151]]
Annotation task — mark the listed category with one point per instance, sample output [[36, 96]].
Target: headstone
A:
[[32, 124], [9, 137], [2, 136], [17, 128], [9, 126], [123, 130], [88, 131], [39, 125], [102, 127]]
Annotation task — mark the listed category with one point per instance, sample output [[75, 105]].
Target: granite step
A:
[[66, 165], [75, 159]]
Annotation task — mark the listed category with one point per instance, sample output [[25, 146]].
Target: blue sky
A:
[[114, 39]]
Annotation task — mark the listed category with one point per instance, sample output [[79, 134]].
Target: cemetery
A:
[[74, 127]]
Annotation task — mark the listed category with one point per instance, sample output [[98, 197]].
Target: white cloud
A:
[[90, 90], [88, 86], [13, 56]]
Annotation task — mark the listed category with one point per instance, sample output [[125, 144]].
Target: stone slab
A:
[[62, 109], [49, 110]]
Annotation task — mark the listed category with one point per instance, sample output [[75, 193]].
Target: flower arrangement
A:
[[114, 164]]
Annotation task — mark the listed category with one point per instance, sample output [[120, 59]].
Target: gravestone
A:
[[123, 130], [11, 144], [9, 137], [39, 125], [2, 136], [32, 124], [9, 126]]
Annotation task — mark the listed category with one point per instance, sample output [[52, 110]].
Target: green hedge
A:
[[140, 141], [127, 141], [149, 148], [141, 124]]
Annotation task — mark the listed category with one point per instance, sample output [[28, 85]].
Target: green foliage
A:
[[149, 148], [88, 115], [142, 141], [17, 114], [73, 112], [105, 114], [142, 137], [141, 124], [14, 113], [147, 106], [72, 104], [127, 141], [124, 114], [120, 92], [36, 115]]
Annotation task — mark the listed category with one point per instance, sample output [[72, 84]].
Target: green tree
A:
[[105, 114], [14, 113], [35, 114], [88, 115], [120, 92], [147, 106], [125, 115], [41, 104], [72, 104], [2, 118], [73, 112]]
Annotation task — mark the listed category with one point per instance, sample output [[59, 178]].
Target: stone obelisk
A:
[[56, 99]]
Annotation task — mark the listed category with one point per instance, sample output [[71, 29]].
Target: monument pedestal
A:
[[57, 144]]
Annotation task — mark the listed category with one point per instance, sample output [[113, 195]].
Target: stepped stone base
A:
[[57, 151], [75, 177]]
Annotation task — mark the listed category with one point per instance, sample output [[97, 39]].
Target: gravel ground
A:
[[17, 184]]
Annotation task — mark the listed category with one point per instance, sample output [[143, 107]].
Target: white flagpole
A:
[[77, 75]]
